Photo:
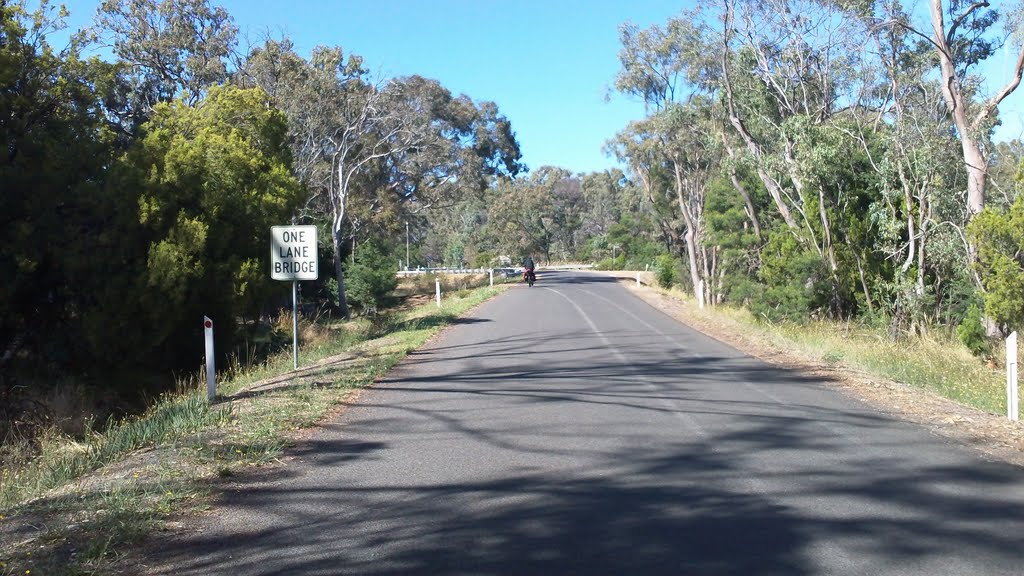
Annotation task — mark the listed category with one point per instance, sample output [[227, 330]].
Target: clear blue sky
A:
[[548, 64]]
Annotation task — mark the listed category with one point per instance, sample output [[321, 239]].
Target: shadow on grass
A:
[[391, 324], [86, 533]]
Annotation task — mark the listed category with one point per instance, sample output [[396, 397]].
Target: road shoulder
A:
[[994, 436]]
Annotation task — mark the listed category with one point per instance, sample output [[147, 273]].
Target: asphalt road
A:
[[570, 428]]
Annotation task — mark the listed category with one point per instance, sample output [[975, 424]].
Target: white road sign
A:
[[293, 254]]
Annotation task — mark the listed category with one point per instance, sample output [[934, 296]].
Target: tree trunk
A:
[[977, 164], [828, 249], [864, 282], [751, 211], [977, 172], [773, 186], [690, 236], [691, 255], [340, 275]]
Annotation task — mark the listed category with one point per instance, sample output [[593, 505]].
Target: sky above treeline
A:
[[550, 65]]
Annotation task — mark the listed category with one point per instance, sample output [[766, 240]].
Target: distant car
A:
[[510, 272]]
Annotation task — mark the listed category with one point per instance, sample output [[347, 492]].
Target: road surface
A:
[[570, 428]]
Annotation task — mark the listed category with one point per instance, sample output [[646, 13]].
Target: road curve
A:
[[570, 428]]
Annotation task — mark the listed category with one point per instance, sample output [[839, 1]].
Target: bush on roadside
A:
[[485, 259], [971, 332], [370, 278], [617, 263], [666, 272]]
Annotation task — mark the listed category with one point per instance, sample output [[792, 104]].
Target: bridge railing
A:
[[497, 270]]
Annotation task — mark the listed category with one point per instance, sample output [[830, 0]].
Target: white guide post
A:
[[491, 271], [1012, 396], [637, 279], [437, 290], [211, 372]]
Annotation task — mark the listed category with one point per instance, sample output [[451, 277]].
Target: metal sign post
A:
[[295, 325], [294, 257], [211, 372]]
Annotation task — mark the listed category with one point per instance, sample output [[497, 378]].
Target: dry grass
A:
[[937, 364]]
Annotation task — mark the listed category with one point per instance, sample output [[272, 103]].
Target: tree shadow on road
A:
[[786, 483]]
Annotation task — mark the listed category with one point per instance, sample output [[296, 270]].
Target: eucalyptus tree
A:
[[460, 146], [662, 65], [341, 124], [167, 48], [375, 153], [685, 136], [671, 66], [456, 149], [523, 212], [675, 150], [638, 146], [606, 199], [960, 46], [304, 89], [366, 130], [903, 130], [803, 61]]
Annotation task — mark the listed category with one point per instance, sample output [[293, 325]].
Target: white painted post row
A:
[[211, 372], [1012, 395], [437, 290]]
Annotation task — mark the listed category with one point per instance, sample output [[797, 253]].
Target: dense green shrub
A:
[[617, 263], [795, 281], [999, 238], [485, 260], [370, 278], [971, 331], [666, 272]]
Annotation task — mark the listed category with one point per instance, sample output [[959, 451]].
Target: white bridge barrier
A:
[[514, 269]]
